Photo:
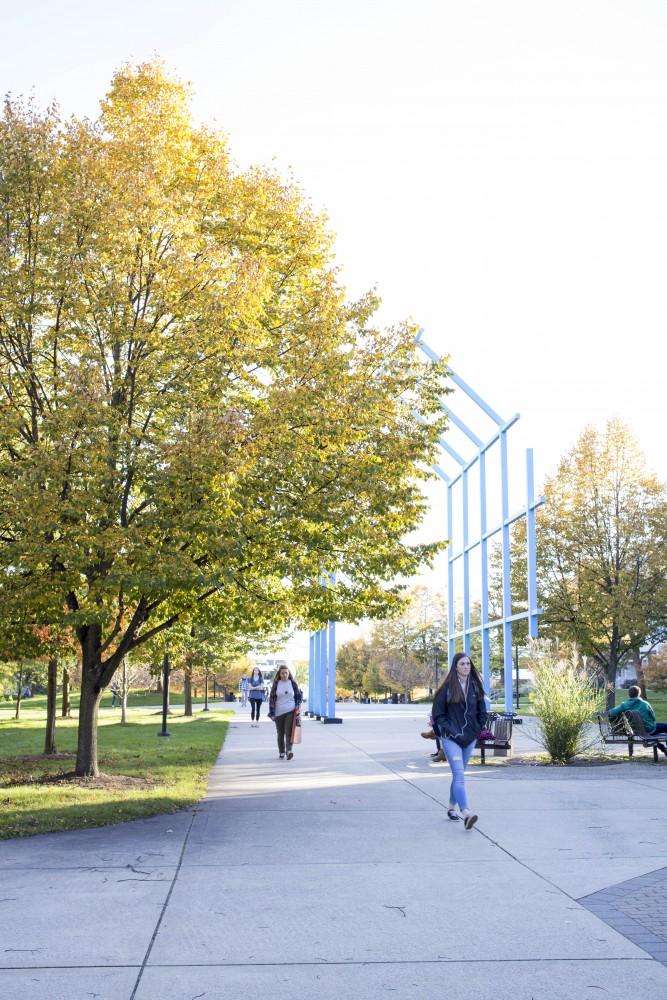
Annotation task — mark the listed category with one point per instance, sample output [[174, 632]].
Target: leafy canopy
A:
[[190, 411], [602, 548]]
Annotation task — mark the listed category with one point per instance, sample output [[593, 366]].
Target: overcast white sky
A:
[[497, 168]]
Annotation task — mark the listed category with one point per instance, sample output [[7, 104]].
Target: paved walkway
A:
[[338, 875]]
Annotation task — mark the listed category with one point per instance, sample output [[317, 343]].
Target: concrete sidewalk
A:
[[339, 875]]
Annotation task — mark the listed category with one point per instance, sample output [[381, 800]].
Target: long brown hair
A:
[[274, 686], [452, 684]]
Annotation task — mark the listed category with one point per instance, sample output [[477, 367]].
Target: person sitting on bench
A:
[[635, 703]]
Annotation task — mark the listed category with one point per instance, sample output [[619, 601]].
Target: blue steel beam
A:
[[531, 545], [322, 649], [491, 441], [507, 587], [496, 623], [318, 674], [463, 427], [476, 398], [455, 455], [484, 611], [311, 672], [331, 675], [457, 380], [450, 576], [441, 473], [466, 568]]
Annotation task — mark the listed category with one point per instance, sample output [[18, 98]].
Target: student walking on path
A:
[[284, 701], [256, 692], [459, 713]]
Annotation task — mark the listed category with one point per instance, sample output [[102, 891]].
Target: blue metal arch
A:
[[322, 651], [472, 540]]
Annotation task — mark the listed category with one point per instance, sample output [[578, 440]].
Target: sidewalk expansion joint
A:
[[324, 963], [477, 829], [341, 963], [164, 906]]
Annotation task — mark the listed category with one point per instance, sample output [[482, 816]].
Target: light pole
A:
[[165, 694], [436, 654], [206, 708]]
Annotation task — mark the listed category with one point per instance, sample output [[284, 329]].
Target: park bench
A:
[[501, 727], [628, 727]]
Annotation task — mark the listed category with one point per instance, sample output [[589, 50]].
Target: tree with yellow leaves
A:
[[602, 550], [190, 412]]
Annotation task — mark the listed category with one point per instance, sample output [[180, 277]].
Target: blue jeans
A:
[[457, 758]]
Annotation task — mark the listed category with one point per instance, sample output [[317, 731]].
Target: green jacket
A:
[[636, 705]]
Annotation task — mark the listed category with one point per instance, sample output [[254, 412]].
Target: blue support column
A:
[[317, 706], [486, 531], [324, 674], [531, 544], [507, 590], [330, 715], [466, 566], [451, 623], [484, 547], [331, 660], [311, 673]]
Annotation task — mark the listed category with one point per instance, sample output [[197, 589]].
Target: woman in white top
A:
[[284, 701]]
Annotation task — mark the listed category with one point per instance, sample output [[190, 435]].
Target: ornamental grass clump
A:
[[566, 697]]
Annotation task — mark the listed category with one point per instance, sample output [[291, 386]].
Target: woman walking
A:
[[256, 691], [284, 701], [459, 712]]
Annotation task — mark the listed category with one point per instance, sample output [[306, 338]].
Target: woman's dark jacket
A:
[[273, 696], [460, 721]]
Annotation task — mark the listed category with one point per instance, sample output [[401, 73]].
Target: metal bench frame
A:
[[633, 733], [501, 727]]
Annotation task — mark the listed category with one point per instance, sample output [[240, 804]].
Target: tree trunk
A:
[[639, 672], [19, 693], [91, 695], [123, 692], [65, 696], [610, 676], [51, 687], [187, 691]]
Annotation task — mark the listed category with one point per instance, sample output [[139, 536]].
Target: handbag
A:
[[485, 734], [296, 729]]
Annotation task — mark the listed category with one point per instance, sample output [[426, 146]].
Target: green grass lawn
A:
[[135, 699], [139, 699], [143, 775]]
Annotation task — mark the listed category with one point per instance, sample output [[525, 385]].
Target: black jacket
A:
[[460, 721]]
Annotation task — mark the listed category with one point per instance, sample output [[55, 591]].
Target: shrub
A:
[[566, 696]]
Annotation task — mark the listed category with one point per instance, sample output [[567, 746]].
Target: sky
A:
[[496, 168]]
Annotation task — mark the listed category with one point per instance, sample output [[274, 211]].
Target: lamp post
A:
[[206, 708], [436, 655], [165, 694]]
